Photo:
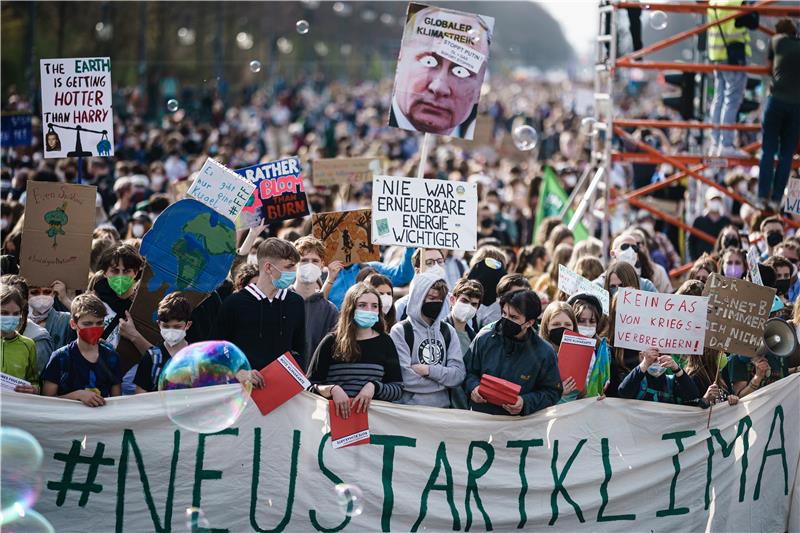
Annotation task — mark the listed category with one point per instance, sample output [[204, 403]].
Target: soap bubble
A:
[[301, 26], [19, 474], [172, 105], [658, 20], [30, 522], [244, 40], [761, 45], [204, 364], [525, 137], [687, 54], [255, 66], [368, 15], [342, 9], [350, 498], [186, 36], [196, 519]]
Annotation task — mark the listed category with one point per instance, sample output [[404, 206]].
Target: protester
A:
[[511, 350], [549, 284], [340, 279], [772, 229], [465, 299], [727, 238], [383, 285], [648, 381], [712, 222], [626, 250], [19, 352], [359, 360], [423, 260], [86, 369], [27, 327], [703, 268], [733, 263], [784, 274], [557, 318], [706, 370], [532, 262], [487, 267], [41, 302], [588, 314], [588, 267], [120, 267]]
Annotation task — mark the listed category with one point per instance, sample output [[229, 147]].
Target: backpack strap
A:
[[445, 330], [408, 334]]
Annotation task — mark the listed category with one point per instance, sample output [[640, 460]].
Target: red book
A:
[[574, 356], [498, 391], [283, 379], [351, 431]]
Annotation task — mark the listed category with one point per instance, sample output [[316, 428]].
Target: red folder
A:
[[574, 357], [351, 431], [498, 391], [283, 379]]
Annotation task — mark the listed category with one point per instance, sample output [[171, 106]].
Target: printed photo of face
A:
[[433, 94]]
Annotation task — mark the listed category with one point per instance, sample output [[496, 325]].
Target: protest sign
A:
[[57, 234], [77, 119], [346, 235], [15, 130], [484, 133], [221, 189], [279, 192], [672, 323], [792, 199], [424, 213], [342, 171], [445, 47], [571, 283], [571, 466], [737, 313], [9, 382], [752, 265]]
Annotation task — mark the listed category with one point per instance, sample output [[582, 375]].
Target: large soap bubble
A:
[[525, 137], [19, 482], [204, 364]]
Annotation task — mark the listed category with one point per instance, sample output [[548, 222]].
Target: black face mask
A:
[[510, 328], [731, 242], [774, 238], [556, 335], [487, 223], [782, 286], [432, 309]]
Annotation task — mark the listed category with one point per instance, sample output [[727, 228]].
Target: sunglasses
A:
[[626, 245]]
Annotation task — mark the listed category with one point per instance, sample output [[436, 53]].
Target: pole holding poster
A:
[[423, 155]]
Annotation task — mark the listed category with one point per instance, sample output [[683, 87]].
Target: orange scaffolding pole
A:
[[683, 124], [762, 8], [692, 67], [681, 270], [691, 159]]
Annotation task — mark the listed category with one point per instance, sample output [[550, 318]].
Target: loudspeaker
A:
[[779, 339]]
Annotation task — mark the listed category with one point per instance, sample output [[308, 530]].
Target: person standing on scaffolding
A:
[[728, 44]]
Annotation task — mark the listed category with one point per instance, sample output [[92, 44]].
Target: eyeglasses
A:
[[434, 262], [626, 245]]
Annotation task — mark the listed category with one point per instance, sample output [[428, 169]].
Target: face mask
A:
[[41, 304], [715, 206], [137, 230], [91, 335], [556, 335], [734, 271], [120, 284], [8, 323], [656, 370], [286, 279], [365, 319], [774, 238], [612, 291], [463, 312], [782, 286], [172, 336], [494, 208], [587, 331], [649, 228], [387, 301], [629, 256], [432, 309], [309, 272], [487, 223], [730, 242], [510, 328]]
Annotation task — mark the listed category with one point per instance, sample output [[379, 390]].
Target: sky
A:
[[578, 19]]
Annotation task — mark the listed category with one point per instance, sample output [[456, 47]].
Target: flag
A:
[[600, 374], [552, 198]]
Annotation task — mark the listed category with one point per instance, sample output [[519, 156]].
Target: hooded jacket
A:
[[445, 363], [530, 363]]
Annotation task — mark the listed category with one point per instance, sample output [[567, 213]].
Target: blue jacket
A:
[[530, 363], [399, 275]]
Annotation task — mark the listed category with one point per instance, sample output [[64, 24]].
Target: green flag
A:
[[552, 198]]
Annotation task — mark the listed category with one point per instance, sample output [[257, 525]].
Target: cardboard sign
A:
[[571, 283], [57, 234], [574, 356], [424, 213], [279, 192], [792, 201], [737, 313], [672, 323], [343, 171], [351, 431], [283, 379], [221, 189], [440, 44], [752, 265], [77, 120], [347, 236], [15, 130]]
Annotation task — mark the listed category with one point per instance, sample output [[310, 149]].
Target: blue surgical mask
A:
[[365, 319], [612, 291], [286, 279], [8, 323]]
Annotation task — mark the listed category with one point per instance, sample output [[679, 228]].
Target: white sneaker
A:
[[731, 151]]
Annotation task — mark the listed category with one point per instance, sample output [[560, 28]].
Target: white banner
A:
[[586, 465], [424, 213]]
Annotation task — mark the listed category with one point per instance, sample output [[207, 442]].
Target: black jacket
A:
[[263, 329]]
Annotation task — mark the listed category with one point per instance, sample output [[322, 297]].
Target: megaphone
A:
[[779, 339]]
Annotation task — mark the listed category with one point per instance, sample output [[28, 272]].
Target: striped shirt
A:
[[378, 364]]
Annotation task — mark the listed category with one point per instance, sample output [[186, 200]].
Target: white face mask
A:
[[386, 303], [587, 331], [3, 224], [137, 230], [172, 336], [309, 272], [463, 312], [628, 256], [41, 304], [715, 206]]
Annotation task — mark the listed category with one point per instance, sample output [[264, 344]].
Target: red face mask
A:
[[91, 335]]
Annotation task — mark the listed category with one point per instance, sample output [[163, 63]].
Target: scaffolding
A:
[[607, 126]]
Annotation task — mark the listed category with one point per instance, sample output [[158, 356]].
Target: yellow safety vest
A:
[[716, 43]]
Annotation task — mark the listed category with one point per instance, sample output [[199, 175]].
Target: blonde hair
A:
[[554, 309], [346, 346]]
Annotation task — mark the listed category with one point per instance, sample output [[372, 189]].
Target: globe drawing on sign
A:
[[190, 247]]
